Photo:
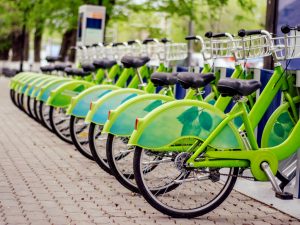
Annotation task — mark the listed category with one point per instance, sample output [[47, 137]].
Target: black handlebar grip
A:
[[208, 34], [285, 29], [95, 45], [218, 35], [243, 32], [117, 44], [131, 42], [189, 38], [165, 40], [148, 40]]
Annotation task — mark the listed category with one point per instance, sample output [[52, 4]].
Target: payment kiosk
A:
[[91, 25]]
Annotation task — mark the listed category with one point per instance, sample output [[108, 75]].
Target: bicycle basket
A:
[[251, 47], [217, 48], [175, 51], [287, 47]]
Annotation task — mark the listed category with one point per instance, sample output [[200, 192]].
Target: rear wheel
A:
[[60, 123], [44, 115], [29, 103], [97, 143], [36, 106], [12, 96], [79, 131], [120, 159], [187, 193], [19, 101]]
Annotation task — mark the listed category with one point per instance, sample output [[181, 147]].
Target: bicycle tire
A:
[[99, 160], [76, 141], [176, 213], [55, 129]]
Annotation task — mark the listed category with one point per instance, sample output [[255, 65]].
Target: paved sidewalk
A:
[[44, 181]]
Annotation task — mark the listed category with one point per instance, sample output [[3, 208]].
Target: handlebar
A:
[[148, 40], [218, 35], [286, 28], [243, 32], [190, 38], [210, 34], [118, 44], [165, 40]]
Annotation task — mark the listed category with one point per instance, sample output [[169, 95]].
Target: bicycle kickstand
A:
[[278, 192]]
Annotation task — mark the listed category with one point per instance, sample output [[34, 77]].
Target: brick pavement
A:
[[44, 181]]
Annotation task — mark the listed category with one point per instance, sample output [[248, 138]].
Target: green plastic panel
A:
[[186, 121], [82, 107], [281, 129], [46, 93], [124, 124], [113, 102]]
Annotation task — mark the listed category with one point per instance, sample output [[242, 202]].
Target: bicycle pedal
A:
[[284, 195]]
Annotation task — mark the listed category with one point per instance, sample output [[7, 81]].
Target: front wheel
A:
[[198, 192], [79, 131], [97, 143], [60, 123]]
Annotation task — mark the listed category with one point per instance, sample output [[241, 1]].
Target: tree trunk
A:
[[16, 39], [37, 44], [4, 54], [5, 43], [26, 46], [68, 40]]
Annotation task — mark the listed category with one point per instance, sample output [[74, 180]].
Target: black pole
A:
[[22, 47], [100, 2], [23, 38], [271, 26]]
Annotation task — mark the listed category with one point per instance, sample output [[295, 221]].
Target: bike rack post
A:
[[297, 186]]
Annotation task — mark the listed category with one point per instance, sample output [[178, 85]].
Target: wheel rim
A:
[[81, 134], [36, 107], [191, 195], [61, 123], [121, 160], [99, 147], [45, 115]]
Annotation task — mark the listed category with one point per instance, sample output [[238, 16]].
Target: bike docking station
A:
[[297, 185], [91, 25]]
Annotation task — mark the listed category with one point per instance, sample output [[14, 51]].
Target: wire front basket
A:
[[175, 51], [287, 47], [217, 48], [251, 47]]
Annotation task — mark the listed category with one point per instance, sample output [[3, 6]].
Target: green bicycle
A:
[[199, 175]]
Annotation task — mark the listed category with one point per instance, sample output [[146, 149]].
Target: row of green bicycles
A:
[[119, 108]]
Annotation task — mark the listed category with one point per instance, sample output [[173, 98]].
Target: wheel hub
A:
[[180, 161]]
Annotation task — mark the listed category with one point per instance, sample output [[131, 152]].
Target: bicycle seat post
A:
[[141, 85]]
